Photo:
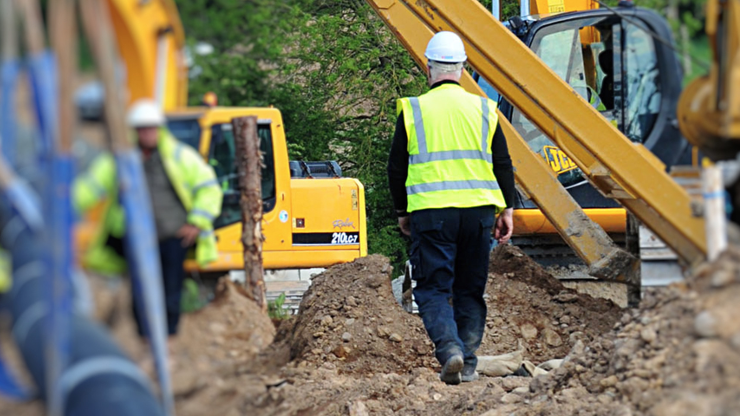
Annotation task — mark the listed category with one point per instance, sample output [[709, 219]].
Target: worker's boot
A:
[[469, 374], [451, 370]]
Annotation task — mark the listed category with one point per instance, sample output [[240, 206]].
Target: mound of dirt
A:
[[350, 320], [679, 354], [510, 260], [529, 309], [353, 350], [231, 328]]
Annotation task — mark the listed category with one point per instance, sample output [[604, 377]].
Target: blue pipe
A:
[[99, 379]]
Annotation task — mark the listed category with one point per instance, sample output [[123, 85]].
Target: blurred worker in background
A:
[[185, 199], [450, 173]]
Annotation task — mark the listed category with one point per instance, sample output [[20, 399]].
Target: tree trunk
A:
[[249, 167]]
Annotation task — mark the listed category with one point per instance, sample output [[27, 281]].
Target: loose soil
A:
[[529, 309], [678, 354]]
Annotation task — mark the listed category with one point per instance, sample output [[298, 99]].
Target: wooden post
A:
[[102, 43], [249, 167], [714, 211], [63, 37]]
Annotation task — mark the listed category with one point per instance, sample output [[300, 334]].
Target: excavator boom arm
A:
[[537, 179], [620, 169]]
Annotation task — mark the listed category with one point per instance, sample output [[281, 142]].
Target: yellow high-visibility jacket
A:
[[449, 142], [194, 182]]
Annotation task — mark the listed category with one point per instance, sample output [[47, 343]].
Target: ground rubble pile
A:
[[678, 354], [353, 350], [389, 377], [349, 320], [531, 311]]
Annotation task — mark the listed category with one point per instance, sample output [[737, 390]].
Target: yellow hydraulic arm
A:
[[150, 40], [620, 169], [709, 110], [585, 237]]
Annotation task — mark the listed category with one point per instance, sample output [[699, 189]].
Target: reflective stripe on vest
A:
[[451, 186], [595, 100], [421, 137]]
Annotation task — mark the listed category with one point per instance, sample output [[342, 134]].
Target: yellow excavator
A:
[[312, 216], [592, 92]]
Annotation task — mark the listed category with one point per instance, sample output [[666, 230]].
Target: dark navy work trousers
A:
[[172, 256], [449, 254]]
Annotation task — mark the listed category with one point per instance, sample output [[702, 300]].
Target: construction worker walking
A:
[[450, 174], [185, 197]]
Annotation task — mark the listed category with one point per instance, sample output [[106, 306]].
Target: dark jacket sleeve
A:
[[502, 166], [398, 167]]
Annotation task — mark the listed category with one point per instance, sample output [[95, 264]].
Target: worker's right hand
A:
[[188, 233], [504, 226], [405, 224]]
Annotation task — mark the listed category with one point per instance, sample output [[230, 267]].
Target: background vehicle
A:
[[307, 222]]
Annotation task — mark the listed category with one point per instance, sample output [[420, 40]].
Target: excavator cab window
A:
[[223, 159], [612, 64], [642, 86]]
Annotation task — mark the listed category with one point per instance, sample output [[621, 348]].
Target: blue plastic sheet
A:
[[54, 189], [9, 387], [59, 217], [42, 69], [8, 81], [142, 253], [26, 206]]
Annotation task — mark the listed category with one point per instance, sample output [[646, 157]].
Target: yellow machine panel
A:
[[542, 7], [328, 214], [534, 222]]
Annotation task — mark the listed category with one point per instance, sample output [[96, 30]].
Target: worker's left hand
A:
[[188, 233], [504, 226]]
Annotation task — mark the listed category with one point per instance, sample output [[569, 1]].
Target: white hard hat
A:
[[446, 47], [145, 113]]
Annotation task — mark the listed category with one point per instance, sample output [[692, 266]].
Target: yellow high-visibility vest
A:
[[449, 142], [194, 182]]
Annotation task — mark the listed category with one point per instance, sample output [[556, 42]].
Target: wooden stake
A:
[[97, 24], [33, 25], [9, 52], [249, 167], [10, 38], [63, 32], [714, 211]]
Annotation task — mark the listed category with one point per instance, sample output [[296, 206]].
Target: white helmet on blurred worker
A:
[[145, 113], [446, 47]]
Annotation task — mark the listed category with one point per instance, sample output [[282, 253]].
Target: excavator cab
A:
[[615, 60]]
